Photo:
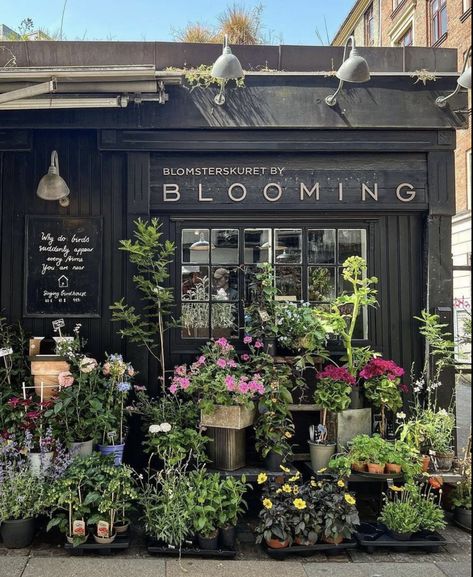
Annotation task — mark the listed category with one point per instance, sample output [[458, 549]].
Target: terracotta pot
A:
[[277, 543], [392, 468], [375, 469], [334, 540], [425, 463], [306, 542], [358, 467]]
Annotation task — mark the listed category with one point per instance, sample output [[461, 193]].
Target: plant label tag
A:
[[264, 316], [58, 324], [103, 529], [78, 528], [5, 352]]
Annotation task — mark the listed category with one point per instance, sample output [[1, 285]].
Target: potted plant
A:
[[402, 457], [336, 510], [274, 426], [300, 328], [303, 515], [232, 506], [439, 427], [205, 502], [371, 451], [118, 374], [164, 502], [400, 514], [274, 525], [382, 385], [21, 497], [461, 498], [332, 394]]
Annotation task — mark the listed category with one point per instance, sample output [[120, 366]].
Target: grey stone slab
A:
[[215, 568], [372, 570], [12, 566], [94, 567], [458, 569]]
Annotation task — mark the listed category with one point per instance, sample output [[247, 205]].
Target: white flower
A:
[[154, 429], [165, 427], [401, 416]]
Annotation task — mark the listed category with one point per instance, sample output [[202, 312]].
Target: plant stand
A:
[[227, 448], [307, 550], [372, 537], [121, 542]]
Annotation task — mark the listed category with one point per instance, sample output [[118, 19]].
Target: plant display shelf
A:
[[251, 473], [160, 548], [121, 543], [357, 477], [308, 550], [371, 537], [449, 478]]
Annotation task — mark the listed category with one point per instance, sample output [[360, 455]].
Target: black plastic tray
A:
[[307, 550], [379, 476], [372, 537], [121, 542], [158, 548]]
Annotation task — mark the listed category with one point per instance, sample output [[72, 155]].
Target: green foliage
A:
[[260, 315], [300, 328], [400, 517], [22, 494], [384, 392], [233, 505], [340, 465], [366, 449], [441, 348], [151, 256], [14, 369], [333, 396]]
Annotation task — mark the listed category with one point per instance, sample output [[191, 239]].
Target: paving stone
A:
[[458, 569], [93, 567], [12, 566], [372, 570], [215, 568]]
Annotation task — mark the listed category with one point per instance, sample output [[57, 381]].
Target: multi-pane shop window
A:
[[218, 265]]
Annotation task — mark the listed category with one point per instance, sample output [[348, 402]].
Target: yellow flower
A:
[[349, 499], [296, 477], [288, 435], [295, 489], [322, 470], [314, 483], [396, 488], [278, 491], [287, 488], [285, 469], [340, 483], [299, 504], [262, 478], [267, 504]]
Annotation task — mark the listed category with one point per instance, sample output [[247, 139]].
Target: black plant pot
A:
[[17, 534], [208, 543], [228, 537], [273, 461]]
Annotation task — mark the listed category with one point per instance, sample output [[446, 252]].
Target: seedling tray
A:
[[308, 550], [121, 542], [372, 537], [161, 548]]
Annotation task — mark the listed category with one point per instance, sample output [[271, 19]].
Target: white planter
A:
[[40, 462]]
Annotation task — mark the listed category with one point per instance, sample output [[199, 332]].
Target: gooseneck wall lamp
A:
[[52, 186], [464, 81], [353, 69], [226, 67]]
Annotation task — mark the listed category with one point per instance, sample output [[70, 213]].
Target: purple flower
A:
[[123, 387]]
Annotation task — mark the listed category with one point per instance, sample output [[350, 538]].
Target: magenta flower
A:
[[232, 364], [221, 363], [337, 374], [243, 387], [258, 345], [230, 383], [381, 368], [245, 357], [247, 340], [222, 342], [184, 383], [201, 360], [173, 389]]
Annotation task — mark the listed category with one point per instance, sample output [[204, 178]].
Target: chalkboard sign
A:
[[63, 266]]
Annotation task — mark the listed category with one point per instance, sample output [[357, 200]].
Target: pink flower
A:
[[222, 342], [201, 360], [221, 363], [181, 370], [403, 388], [65, 379], [243, 387], [245, 357], [173, 389], [232, 364], [106, 369], [336, 374], [381, 368], [139, 388], [184, 382], [230, 383], [247, 340], [131, 371], [258, 345]]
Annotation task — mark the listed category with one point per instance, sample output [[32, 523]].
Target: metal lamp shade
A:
[[354, 69], [52, 186], [227, 66], [465, 79]]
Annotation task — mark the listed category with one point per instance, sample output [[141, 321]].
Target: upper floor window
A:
[[369, 26], [407, 39], [438, 20]]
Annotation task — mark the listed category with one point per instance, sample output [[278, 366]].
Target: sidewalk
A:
[[49, 561]]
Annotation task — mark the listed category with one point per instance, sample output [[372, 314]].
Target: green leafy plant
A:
[[204, 500], [22, 494], [366, 449], [14, 368], [400, 515], [151, 256], [260, 315], [274, 522], [462, 494], [300, 328], [340, 465], [233, 504]]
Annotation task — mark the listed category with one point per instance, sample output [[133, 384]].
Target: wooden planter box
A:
[[231, 417], [45, 369]]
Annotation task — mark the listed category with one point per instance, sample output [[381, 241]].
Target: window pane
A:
[[288, 282], [195, 283], [351, 242], [225, 246], [195, 245], [321, 283], [194, 320], [224, 284], [288, 245], [224, 320], [443, 21], [321, 246], [257, 245]]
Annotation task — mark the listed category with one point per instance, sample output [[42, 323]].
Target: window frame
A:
[[435, 21], [368, 20], [180, 343], [400, 39]]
